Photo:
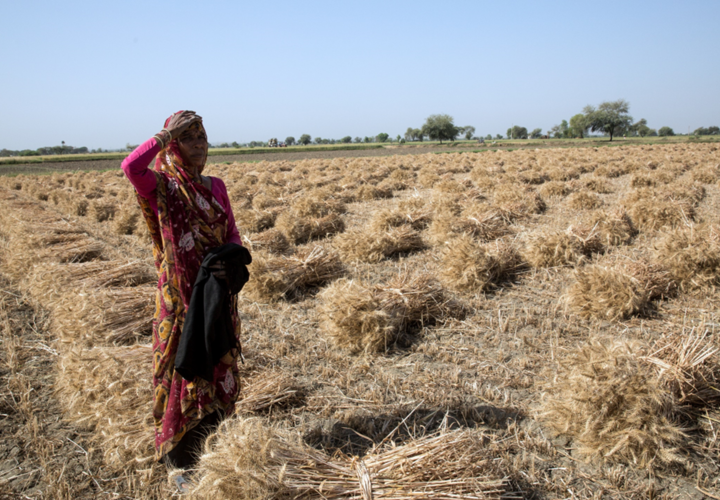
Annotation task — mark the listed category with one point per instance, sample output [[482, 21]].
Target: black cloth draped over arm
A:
[[208, 333]]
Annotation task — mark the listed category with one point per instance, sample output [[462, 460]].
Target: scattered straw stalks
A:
[[375, 318], [374, 246], [278, 277], [614, 406], [247, 459], [469, 266]]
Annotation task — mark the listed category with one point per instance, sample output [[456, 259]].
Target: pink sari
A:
[[189, 223]]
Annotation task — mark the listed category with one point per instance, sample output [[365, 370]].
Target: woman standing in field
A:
[[188, 214]]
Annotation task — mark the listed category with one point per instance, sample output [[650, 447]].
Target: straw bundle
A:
[[126, 220], [688, 366], [109, 389], [246, 459], [705, 175], [268, 391], [255, 221], [101, 211], [273, 278], [518, 201], [614, 406], [555, 189], [270, 240], [583, 200], [654, 280], [611, 170], [614, 228], [105, 316], [606, 293], [368, 192], [317, 204], [417, 219], [692, 255], [75, 249], [598, 185], [374, 318], [472, 267], [649, 214], [548, 248], [480, 222], [374, 246], [55, 279], [642, 180], [299, 229]]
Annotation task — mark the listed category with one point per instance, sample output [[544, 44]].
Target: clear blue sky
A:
[[103, 74]]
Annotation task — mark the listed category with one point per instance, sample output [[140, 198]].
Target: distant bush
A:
[[665, 132]]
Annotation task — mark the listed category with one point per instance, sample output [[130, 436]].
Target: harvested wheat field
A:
[[527, 324]]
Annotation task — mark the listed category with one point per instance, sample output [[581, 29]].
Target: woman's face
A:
[[193, 146]]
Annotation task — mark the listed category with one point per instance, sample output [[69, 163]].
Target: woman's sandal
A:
[[182, 484]]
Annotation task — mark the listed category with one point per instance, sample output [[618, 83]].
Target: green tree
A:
[[382, 137], [305, 139], [346, 140], [318, 140], [610, 117], [498, 136], [707, 131], [236, 145], [517, 132], [469, 132], [536, 133], [509, 133], [578, 126], [665, 132], [367, 139], [289, 141], [357, 140], [439, 128], [409, 134]]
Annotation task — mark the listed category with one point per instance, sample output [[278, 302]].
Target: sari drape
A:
[[188, 224]]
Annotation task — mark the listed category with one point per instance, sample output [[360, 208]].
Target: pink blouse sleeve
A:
[[220, 192], [136, 169]]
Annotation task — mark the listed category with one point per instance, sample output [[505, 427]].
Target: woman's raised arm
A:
[[136, 169]]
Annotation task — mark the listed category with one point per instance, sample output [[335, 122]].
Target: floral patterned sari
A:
[[189, 222]]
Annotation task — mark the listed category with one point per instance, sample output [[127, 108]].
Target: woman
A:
[[188, 214]]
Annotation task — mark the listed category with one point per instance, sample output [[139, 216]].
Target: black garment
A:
[[186, 453], [208, 332]]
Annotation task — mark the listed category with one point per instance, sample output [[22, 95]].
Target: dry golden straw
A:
[[247, 459], [273, 278], [614, 406], [375, 318], [374, 246]]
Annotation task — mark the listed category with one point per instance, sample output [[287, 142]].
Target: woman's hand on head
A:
[[181, 121]]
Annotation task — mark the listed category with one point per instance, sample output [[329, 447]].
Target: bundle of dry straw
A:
[[692, 255], [300, 229], [105, 315], [614, 406], [109, 389], [560, 248], [374, 246], [480, 222], [246, 459], [472, 267], [375, 318], [270, 390], [271, 240], [273, 278]]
